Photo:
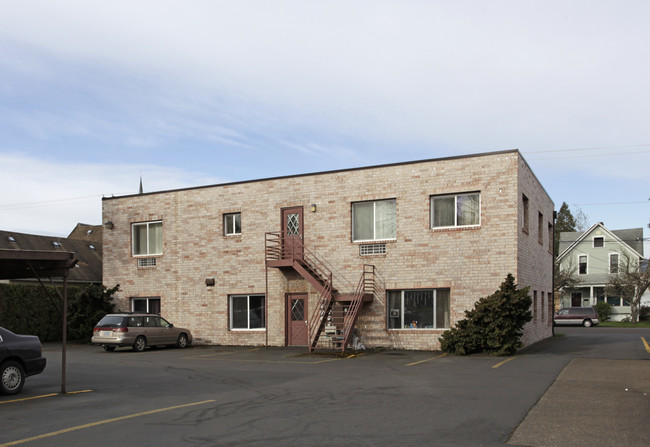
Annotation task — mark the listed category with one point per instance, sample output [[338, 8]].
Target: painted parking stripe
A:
[[105, 421], [645, 343], [504, 362], [215, 354], [427, 360], [44, 395]]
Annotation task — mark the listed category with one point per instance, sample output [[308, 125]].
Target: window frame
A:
[[586, 272], [455, 196], [601, 238], [226, 217], [402, 307], [148, 224], [618, 263], [540, 228], [248, 327], [374, 220], [149, 300], [526, 210]]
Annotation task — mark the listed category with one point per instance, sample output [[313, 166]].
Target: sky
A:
[[96, 95]]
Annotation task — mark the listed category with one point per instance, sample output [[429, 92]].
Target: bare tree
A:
[[564, 280], [630, 283]]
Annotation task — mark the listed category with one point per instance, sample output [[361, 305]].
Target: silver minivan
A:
[[138, 330]]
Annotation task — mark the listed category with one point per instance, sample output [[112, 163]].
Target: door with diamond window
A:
[[297, 333], [292, 229]]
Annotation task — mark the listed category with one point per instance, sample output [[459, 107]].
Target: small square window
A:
[[599, 242], [232, 224]]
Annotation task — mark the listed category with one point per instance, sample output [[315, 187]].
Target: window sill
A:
[[462, 228], [247, 330]]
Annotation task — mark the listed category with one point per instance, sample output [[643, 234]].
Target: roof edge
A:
[[335, 171]]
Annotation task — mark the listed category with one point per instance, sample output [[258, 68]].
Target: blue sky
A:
[[95, 94]]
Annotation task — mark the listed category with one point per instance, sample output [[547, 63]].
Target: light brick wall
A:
[[471, 262]]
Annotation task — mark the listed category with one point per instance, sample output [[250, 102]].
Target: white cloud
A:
[[51, 197]]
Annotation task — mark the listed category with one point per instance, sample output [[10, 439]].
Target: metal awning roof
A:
[[16, 264]]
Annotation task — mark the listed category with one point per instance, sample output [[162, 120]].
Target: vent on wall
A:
[[146, 262], [372, 249]]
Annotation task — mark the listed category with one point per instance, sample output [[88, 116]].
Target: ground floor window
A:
[[150, 305], [247, 312], [418, 309]]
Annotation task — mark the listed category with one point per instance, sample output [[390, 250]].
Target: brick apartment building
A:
[[395, 253]]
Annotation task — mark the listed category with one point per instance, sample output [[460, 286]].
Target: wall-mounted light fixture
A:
[[109, 225], [209, 282], [313, 207]]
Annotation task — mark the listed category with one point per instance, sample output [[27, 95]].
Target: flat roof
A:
[[336, 171]]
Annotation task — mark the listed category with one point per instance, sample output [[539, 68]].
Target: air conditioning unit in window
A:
[[146, 262], [372, 249]]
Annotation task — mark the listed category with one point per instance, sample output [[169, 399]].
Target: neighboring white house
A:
[[594, 255]]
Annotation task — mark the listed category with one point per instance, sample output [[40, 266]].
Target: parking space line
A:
[[504, 362], [427, 360], [645, 343], [105, 421], [44, 395]]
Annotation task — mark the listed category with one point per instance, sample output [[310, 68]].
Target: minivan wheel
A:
[[587, 323], [12, 378], [139, 344], [182, 341], [109, 348]]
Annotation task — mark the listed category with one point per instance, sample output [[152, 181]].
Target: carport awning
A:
[[16, 264]]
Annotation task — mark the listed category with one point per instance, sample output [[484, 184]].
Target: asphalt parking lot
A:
[[592, 381]]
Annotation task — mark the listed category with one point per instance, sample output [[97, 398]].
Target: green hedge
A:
[[34, 310], [494, 326]]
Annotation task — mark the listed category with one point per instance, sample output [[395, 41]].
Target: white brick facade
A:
[[471, 262]]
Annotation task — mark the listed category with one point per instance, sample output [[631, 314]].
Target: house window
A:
[[543, 316], [550, 237], [540, 228], [459, 210], [232, 224], [147, 238], [599, 242], [582, 264], [372, 221], [534, 305], [247, 312], [418, 309], [148, 305], [613, 263], [525, 204]]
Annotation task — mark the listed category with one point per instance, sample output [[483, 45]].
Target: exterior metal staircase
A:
[[331, 323]]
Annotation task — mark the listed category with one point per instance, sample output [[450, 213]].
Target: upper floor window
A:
[[147, 238], [599, 242], [540, 228], [582, 264], [526, 205], [457, 210], [550, 237], [232, 224], [613, 263], [376, 220]]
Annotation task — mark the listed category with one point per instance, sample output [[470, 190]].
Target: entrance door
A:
[[576, 299], [297, 333], [292, 228]]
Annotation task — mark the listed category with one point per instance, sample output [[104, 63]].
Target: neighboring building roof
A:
[[87, 253], [85, 232], [632, 237]]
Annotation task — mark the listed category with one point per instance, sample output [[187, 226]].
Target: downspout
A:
[[552, 313]]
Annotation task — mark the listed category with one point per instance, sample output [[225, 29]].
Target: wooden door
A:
[[292, 229], [297, 333]]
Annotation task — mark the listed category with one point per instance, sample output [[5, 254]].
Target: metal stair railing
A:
[[365, 286]]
